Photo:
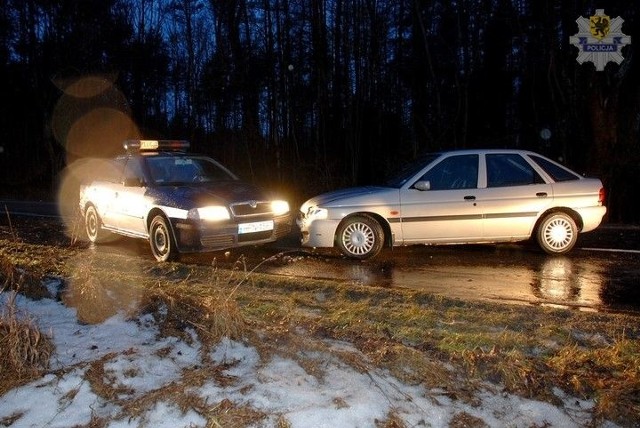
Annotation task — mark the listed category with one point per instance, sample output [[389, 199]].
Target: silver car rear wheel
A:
[[360, 237], [557, 233]]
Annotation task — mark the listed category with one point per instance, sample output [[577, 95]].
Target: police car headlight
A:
[[212, 213], [279, 207]]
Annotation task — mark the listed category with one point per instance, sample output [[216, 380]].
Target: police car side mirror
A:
[[133, 182]]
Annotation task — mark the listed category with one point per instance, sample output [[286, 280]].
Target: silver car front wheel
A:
[[557, 233], [360, 237]]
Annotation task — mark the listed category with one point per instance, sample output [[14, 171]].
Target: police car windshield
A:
[[181, 170]]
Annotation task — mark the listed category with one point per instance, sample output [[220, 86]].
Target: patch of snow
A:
[[144, 361]]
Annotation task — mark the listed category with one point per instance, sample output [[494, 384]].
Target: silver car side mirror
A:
[[422, 185]]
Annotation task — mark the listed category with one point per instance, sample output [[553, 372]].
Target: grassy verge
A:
[[24, 350], [422, 339]]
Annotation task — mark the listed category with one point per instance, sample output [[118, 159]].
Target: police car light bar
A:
[[142, 145]]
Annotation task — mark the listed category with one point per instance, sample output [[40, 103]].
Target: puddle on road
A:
[[590, 283]]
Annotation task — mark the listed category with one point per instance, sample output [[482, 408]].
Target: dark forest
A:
[[311, 95]]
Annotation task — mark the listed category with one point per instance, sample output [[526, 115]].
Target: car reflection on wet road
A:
[[584, 280], [514, 274]]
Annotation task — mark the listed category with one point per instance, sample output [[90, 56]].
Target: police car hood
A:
[[223, 192]]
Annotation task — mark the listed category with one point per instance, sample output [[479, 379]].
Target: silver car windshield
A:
[[407, 172], [184, 170]]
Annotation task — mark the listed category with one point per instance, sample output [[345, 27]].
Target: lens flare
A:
[[92, 117], [79, 172]]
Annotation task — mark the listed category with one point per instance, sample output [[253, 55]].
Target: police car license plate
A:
[[258, 226]]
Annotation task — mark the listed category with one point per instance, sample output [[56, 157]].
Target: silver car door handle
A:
[[470, 198], [541, 194]]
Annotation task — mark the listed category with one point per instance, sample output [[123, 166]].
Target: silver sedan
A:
[[459, 197]]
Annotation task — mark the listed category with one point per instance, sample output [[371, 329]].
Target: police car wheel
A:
[[161, 240], [93, 226]]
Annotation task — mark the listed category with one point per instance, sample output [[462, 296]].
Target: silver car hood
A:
[[349, 196]]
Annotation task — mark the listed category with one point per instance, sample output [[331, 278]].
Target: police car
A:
[[179, 202]]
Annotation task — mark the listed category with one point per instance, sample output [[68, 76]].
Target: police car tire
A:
[[163, 245], [93, 226]]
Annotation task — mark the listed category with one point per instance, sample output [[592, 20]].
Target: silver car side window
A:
[[454, 172], [507, 169]]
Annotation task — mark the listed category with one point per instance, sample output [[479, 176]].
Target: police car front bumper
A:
[[198, 236]]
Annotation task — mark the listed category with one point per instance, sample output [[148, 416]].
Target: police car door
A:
[[129, 202]]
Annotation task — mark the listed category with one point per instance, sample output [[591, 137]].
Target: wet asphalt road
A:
[[602, 273]]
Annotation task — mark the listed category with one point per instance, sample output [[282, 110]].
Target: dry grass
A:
[[15, 276], [392, 421], [610, 373], [24, 350], [178, 394], [210, 313], [525, 350], [444, 344], [34, 262]]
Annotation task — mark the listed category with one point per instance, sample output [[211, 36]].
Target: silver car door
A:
[[514, 197], [440, 205]]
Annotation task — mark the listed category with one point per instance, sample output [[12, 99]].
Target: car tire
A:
[[161, 240], [360, 237], [557, 233], [93, 226]]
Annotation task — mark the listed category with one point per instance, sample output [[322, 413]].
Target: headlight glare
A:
[[212, 213], [279, 207]]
